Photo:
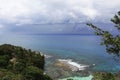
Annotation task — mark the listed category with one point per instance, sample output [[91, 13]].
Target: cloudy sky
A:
[[21, 12]]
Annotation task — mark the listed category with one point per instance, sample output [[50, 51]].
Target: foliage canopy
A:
[[112, 42], [17, 63]]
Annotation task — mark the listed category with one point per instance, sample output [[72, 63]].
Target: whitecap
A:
[[74, 66]]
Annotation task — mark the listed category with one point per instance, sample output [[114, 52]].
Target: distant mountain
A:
[[77, 28]]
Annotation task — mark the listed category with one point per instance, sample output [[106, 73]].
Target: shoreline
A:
[[74, 66]]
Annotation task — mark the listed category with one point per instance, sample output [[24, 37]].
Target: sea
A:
[[82, 49]]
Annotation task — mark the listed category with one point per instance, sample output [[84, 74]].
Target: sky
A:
[[22, 12]]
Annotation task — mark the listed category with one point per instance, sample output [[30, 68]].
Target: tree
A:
[[34, 73], [103, 76], [69, 79], [112, 42], [17, 63]]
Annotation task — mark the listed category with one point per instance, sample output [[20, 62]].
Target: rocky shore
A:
[[70, 65]]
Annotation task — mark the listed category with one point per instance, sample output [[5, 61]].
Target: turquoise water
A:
[[80, 48], [79, 78]]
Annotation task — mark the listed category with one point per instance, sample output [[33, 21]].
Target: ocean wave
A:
[[47, 56], [74, 66]]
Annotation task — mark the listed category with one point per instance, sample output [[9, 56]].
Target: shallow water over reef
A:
[[79, 78]]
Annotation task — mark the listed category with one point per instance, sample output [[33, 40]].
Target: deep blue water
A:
[[80, 48]]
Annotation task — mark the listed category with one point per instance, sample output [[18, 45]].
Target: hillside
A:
[[17, 63]]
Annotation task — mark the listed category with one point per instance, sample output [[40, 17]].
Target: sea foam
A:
[[74, 66]]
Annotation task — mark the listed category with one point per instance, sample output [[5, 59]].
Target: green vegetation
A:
[[112, 43], [17, 63], [69, 79], [103, 76]]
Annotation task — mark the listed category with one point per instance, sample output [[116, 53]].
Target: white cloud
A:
[[52, 11], [1, 26]]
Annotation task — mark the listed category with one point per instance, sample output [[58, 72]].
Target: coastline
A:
[[73, 66], [66, 68]]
